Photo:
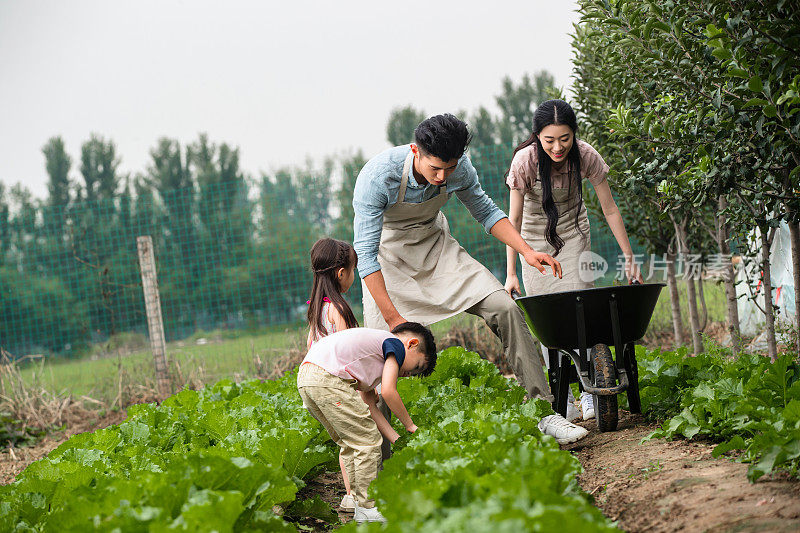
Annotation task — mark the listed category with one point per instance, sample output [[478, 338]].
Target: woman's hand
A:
[[536, 259], [412, 428], [632, 271], [512, 284]]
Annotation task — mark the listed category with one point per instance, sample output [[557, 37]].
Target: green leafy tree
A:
[[483, 127], [709, 122], [57, 163], [350, 166], [170, 175], [98, 167], [517, 104], [5, 228], [401, 124]]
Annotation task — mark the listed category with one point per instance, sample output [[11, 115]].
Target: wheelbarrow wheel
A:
[[605, 407]]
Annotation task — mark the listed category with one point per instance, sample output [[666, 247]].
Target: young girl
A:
[[547, 207], [333, 263]]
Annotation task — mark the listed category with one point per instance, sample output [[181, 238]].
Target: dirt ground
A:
[[662, 486], [658, 486]]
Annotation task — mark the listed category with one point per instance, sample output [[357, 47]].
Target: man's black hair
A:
[[427, 344], [443, 136]]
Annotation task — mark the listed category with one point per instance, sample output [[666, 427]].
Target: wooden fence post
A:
[[152, 301]]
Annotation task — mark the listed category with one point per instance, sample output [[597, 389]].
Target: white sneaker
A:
[[348, 504], [368, 514], [587, 406], [563, 431], [572, 412]]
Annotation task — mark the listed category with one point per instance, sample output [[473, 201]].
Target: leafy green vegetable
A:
[[749, 403], [222, 458]]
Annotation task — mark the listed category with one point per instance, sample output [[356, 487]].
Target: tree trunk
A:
[[766, 285], [794, 233], [729, 278], [701, 294], [674, 300], [691, 297], [694, 319]]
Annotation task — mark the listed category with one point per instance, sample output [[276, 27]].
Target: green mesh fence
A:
[[230, 255]]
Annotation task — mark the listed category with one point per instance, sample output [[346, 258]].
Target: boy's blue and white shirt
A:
[[377, 188]]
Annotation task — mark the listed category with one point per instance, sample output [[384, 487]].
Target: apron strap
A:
[[401, 194]]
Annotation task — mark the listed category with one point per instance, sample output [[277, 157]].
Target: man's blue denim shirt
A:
[[378, 185]]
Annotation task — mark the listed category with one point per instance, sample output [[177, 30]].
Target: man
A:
[[413, 269]]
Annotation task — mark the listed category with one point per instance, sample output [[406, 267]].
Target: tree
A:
[[483, 127], [350, 166], [5, 229], [401, 124], [702, 93], [170, 175], [518, 103], [99, 164], [57, 163]]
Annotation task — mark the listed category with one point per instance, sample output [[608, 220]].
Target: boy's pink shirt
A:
[[355, 353]]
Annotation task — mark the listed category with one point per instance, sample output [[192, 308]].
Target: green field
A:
[[207, 357]]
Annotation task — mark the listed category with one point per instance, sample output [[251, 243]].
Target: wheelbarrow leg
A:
[[632, 368], [552, 369], [559, 380]]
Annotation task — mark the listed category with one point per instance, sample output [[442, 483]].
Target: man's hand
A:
[[412, 428], [536, 259], [376, 286], [396, 322]]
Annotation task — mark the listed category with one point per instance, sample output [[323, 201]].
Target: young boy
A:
[[337, 381]]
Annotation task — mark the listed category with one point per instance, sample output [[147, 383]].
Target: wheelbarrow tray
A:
[[554, 318]]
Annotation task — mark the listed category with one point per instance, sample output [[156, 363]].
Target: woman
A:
[[547, 206]]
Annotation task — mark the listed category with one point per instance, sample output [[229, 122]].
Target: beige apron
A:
[[534, 222], [429, 276]]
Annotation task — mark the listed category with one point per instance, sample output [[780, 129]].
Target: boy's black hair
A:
[[427, 344], [443, 136]]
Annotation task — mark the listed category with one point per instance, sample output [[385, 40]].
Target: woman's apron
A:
[[534, 222], [429, 276]]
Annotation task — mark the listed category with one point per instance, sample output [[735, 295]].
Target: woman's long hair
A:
[[327, 257], [555, 112]]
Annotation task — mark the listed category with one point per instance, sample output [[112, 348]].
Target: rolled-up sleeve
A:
[[481, 207], [370, 199]]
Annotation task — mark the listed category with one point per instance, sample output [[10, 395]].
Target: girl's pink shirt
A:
[[355, 353], [330, 327]]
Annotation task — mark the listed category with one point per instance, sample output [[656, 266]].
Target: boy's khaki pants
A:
[[338, 406]]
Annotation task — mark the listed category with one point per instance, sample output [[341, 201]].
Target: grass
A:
[[207, 357], [212, 359], [715, 302]]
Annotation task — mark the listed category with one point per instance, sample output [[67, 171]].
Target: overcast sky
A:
[[281, 80]]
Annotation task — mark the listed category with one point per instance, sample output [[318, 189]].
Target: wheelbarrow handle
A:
[[515, 294]]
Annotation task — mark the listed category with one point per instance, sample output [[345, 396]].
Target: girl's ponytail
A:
[[327, 257]]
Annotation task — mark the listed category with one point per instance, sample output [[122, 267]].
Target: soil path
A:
[[662, 486]]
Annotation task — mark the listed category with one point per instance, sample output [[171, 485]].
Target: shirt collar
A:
[[412, 181]]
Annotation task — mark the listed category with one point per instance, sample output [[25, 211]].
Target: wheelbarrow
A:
[[588, 321]]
